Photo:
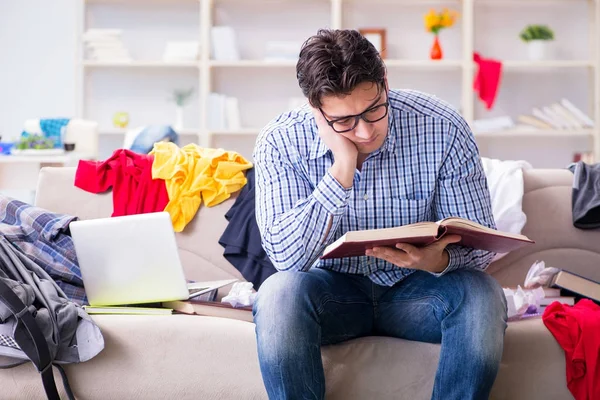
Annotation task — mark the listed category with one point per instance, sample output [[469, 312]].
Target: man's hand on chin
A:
[[433, 258]]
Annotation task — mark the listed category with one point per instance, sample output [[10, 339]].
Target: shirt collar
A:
[[319, 149]]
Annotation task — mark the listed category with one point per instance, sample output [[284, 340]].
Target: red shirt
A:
[[130, 176], [577, 330]]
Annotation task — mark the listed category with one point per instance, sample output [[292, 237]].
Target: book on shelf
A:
[[224, 46], [577, 113], [355, 243], [575, 285], [211, 309], [533, 121]]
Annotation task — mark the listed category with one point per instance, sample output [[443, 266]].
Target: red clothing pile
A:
[[577, 330], [130, 176]]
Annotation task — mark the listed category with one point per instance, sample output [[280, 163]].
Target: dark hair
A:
[[334, 62]]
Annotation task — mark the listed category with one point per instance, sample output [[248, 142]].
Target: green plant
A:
[[181, 97], [36, 142], [536, 32]]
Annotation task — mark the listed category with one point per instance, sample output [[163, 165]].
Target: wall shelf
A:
[[268, 83], [239, 132], [253, 64], [524, 64], [119, 132], [538, 133], [140, 64], [426, 64]]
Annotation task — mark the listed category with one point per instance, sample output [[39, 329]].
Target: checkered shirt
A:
[[427, 169]]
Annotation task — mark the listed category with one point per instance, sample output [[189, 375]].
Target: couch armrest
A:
[[547, 205]]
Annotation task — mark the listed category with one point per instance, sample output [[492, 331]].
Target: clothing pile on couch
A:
[[169, 178]]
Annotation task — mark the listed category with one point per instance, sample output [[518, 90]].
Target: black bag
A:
[[30, 340], [38, 323]]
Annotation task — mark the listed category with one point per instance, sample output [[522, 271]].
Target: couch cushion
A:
[[193, 357]]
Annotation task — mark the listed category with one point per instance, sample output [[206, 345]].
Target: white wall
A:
[[38, 46]]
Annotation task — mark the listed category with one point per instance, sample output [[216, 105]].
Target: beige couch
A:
[[193, 357]]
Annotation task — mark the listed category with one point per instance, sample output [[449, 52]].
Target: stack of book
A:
[[211, 309], [577, 287], [567, 288], [562, 115], [223, 113]]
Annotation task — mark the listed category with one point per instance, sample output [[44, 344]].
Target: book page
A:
[[406, 231], [472, 225]]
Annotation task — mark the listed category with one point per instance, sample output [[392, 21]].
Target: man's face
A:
[[367, 136]]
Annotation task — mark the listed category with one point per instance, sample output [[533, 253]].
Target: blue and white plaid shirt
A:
[[43, 237], [427, 169]]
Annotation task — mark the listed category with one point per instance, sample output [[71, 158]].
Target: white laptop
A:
[[133, 259]]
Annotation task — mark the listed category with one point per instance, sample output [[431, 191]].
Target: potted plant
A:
[[434, 22], [537, 38], [181, 97]]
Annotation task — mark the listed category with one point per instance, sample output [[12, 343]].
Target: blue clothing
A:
[[145, 138], [241, 238], [44, 237], [427, 169], [295, 312]]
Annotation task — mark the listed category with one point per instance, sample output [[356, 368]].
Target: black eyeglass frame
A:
[[360, 116]]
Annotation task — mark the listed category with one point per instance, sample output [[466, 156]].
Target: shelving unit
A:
[[266, 86]]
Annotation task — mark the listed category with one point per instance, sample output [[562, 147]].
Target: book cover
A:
[[211, 309], [355, 243], [572, 284]]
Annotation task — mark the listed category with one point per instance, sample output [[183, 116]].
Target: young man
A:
[[361, 156]]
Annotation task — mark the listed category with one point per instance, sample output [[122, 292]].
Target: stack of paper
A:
[[105, 45]]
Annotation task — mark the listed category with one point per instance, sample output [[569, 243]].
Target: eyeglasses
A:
[[348, 123]]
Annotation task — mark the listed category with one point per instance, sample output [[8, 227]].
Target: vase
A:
[[178, 118], [436, 50], [537, 50]]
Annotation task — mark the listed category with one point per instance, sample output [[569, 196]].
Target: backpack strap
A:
[[37, 350]]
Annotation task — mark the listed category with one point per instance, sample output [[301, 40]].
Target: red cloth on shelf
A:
[[130, 176], [577, 330], [487, 79]]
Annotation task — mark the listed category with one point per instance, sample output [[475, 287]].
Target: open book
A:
[[355, 243]]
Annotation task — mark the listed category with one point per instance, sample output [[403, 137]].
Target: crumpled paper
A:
[[520, 301], [240, 295], [526, 299], [539, 275]]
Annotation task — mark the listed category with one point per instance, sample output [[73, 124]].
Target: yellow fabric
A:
[[193, 174]]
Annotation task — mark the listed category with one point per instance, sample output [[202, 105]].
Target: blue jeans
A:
[[297, 312]]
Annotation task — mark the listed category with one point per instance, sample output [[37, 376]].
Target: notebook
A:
[[133, 259]]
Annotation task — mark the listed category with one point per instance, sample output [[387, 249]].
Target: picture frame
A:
[[377, 36]]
